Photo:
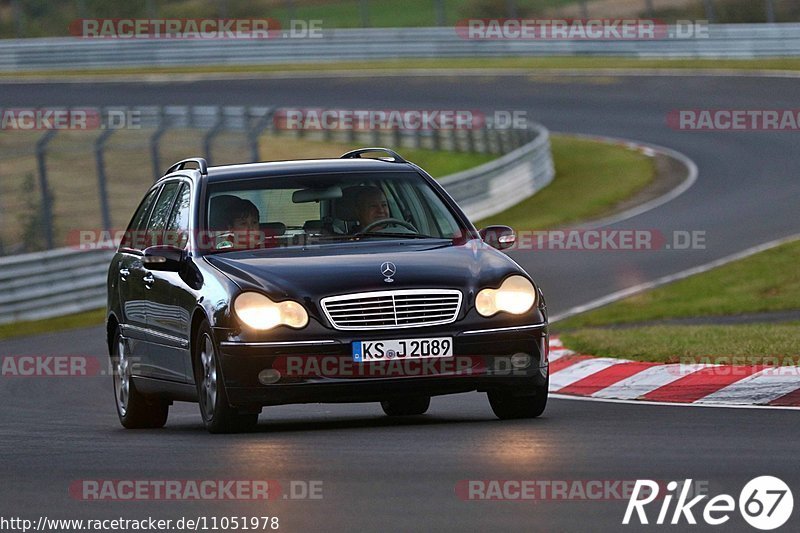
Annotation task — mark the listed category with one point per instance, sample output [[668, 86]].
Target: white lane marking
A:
[[759, 388], [580, 370], [668, 404], [646, 381], [636, 289], [691, 178]]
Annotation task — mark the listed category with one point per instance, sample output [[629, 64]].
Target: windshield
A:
[[302, 210]]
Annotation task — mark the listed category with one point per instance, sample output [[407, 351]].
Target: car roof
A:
[[299, 167]]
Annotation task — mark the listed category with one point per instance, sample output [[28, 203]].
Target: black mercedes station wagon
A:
[[355, 279]]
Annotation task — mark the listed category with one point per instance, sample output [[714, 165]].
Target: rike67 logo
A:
[[765, 503]]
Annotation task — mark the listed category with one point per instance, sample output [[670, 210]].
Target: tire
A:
[[135, 411], [218, 415], [515, 404], [407, 406]]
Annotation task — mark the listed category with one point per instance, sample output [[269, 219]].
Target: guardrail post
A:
[[46, 207], [397, 138], [454, 140], [363, 11], [471, 141], [511, 9], [255, 132], [436, 139], [770, 11], [709, 8], [99, 148], [218, 126], [441, 18], [155, 139]]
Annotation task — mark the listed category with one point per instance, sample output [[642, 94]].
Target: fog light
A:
[[520, 360], [268, 376]]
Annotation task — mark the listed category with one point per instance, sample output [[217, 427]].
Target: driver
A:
[[371, 205]]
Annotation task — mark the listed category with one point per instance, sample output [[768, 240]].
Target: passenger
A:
[[237, 220]]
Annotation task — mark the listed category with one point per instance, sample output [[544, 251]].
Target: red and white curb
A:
[[608, 378]]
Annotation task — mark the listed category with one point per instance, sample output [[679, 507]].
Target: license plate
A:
[[407, 349]]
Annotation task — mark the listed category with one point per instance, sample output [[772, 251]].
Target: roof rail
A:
[[201, 163], [356, 154]]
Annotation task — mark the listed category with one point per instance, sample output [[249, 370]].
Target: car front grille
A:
[[392, 309]]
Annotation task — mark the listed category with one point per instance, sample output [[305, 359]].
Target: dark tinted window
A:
[[133, 238], [177, 233], [161, 212]]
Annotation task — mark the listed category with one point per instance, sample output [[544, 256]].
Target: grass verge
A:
[[35, 327], [768, 281], [521, 63], [594, 176], [748, 344]]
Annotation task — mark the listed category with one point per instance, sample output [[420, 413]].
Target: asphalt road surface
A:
[[383, 474]]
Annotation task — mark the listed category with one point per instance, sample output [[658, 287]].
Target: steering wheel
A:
[[394, 221]]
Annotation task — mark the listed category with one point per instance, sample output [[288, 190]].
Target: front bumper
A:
[[322, 370]]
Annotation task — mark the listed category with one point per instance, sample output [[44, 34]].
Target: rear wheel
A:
[[407, 406], [530, 402], [135, 411], [218, 415]]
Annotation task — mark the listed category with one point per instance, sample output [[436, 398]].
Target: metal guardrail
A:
[[68, 280], [724, 41]]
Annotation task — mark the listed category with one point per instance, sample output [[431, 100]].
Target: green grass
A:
[[768, 281], [439, 164], [594, 176], [566, 64], [772, 344], [35, 327]]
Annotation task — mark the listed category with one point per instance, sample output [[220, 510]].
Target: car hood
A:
[[315, 272]]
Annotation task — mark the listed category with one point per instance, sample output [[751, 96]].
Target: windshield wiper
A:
[[397, 235]]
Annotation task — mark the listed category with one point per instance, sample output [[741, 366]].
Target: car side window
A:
[[177, 229], [161, 211], [134, 236]]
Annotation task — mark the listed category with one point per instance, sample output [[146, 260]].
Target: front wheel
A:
[[135, 411], [416, 405], [218, 415], [530, 402]]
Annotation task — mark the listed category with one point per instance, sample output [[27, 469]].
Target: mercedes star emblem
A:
[[388, 269]]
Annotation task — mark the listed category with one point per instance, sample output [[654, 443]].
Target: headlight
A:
[[516, 295], [259, 312]]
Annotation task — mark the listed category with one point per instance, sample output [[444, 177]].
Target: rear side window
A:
[[161, 212], [134, 237], [177, 230]]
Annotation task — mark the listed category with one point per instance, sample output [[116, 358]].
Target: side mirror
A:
[[166, 258], [500, 237]]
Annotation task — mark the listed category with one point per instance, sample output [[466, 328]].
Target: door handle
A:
[[124, 273], [148, 280]]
